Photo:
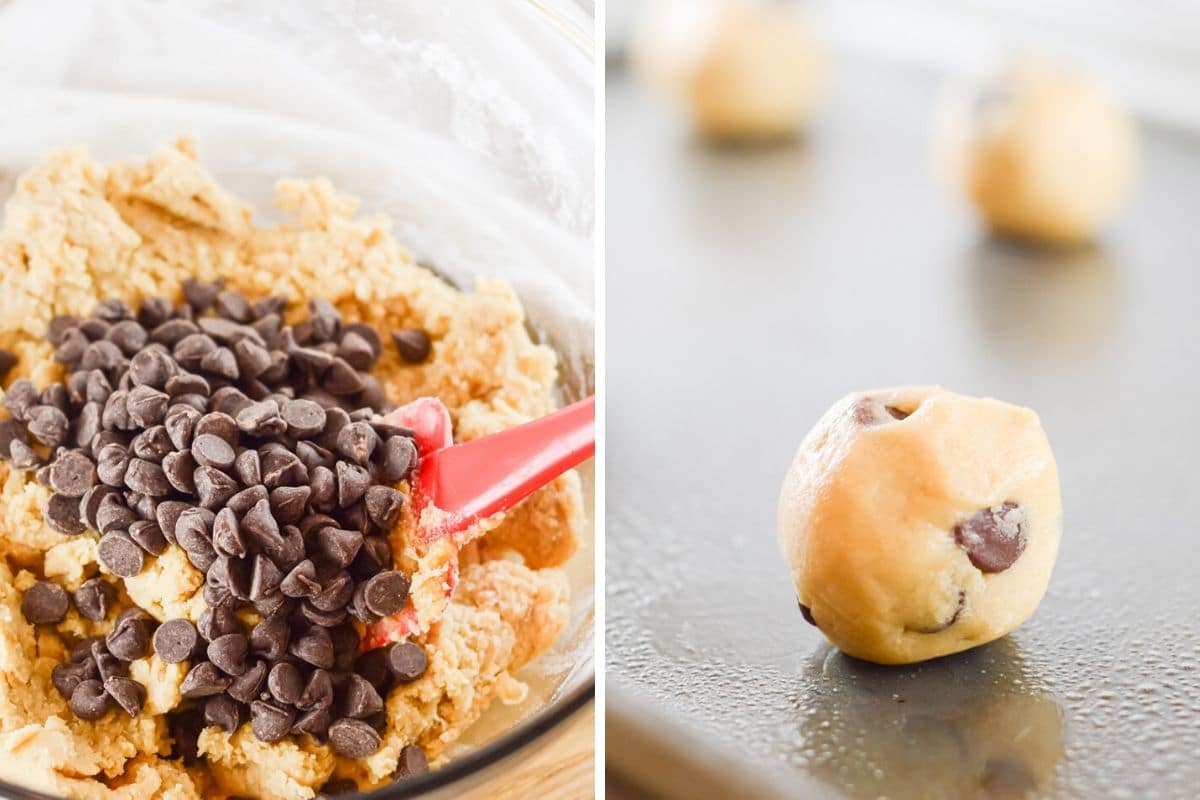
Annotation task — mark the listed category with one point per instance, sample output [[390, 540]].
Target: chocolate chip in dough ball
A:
[[744, 71], [1042, 154], [918, 522]]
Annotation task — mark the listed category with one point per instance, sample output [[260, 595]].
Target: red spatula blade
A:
[[470, 481]]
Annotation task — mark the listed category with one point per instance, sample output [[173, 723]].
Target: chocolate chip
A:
[[281, 467], [260, 523], [213, 487], [129, 640], [180, 423], [129, 336], [202, 559], [995, 537], [216, 622], [56, 395], [285, 683], [111, 463], [342, 379], [146, 477], [253, 359], [261, 419], [113, 514], [411, 764], [96, 386], [265, 578], [353, 738], [154, 311], [399, 458], [167, 515], [314, 647], [386, 593], [407, 661], [200, 295], [176, 640], [232, 305], [301, 581], [224, 712], [230, 401], [20, 397], [120, 554], [172, 331], [356, 351], [304, 418], [318, 692], [179, 468], [152, 444], [89, 701], [334, 594], [212, 451], [93, 598], [872, 411], [324, 489], [58, 327], [102, 355], [62, 513], [203, 680], [10, 431], [23, 456], [806, 612], [65, 677], [383, 505], [228, 652], [288, 503], [188, 383], [192, 528], [357, 441], [413, 344], [247, 686], [352, 483], [148, 536], [339, 546], [269, 638], [313, 456], [359, 698], [269, 721], [128, 693], [218, 424], [112, 310], [47, 424], [146, 406], [44, 603], [72, 473], [107, 664]]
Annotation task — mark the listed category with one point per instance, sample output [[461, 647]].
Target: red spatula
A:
[[471, 481]]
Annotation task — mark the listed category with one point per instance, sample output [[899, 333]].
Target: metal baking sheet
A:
[[749, 289]]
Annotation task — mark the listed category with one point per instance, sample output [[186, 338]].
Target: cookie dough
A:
[[917, 522], [744, 70], [495, 599], [1041, 153]]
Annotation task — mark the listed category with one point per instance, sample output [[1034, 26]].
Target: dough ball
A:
[[744, 70], [917, 522], [1041, 153]]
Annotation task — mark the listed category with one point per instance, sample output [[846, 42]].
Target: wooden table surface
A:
[[563, 771]]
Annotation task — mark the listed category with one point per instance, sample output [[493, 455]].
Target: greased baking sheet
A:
[[749, 289]]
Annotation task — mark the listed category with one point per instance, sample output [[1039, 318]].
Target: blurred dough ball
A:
[[1041, 153], [744, 70]]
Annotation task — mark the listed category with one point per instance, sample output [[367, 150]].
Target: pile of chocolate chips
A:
[[258, 448]]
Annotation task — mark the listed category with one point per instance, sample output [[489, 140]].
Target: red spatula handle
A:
[[479, 478]]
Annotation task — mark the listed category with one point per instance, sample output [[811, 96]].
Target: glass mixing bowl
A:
[[469, 124]]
